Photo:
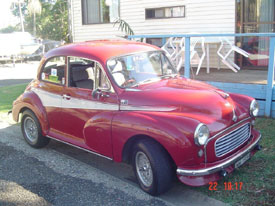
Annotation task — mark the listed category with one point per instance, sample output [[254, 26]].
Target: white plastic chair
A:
[[195, 59], [170, 48], [226, 57], [117, 73]]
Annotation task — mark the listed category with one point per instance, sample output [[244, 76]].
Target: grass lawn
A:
[[257, 175], [8, 95]]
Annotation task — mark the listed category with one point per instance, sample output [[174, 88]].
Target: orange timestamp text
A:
[[229, 186]]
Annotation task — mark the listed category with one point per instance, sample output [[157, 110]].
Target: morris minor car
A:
[[124, 101]]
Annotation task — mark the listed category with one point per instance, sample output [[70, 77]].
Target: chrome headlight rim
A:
[[254, 108], [197, 132]]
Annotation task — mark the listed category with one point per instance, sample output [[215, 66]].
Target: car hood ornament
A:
[[222, 94]]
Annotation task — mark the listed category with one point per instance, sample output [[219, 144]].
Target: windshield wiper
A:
[[168, 76], [146, 81]]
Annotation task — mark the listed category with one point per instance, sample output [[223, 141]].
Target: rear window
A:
[[54, 70]]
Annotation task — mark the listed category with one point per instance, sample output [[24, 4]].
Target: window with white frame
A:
[[99, 11]]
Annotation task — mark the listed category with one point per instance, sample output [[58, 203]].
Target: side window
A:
[[54, 70], [81, 73], [87, 74]]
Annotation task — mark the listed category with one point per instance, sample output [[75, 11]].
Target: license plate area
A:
[[242, 161]]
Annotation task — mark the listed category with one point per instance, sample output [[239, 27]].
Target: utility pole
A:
[[21, 16]]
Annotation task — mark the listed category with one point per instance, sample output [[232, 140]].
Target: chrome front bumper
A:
[[223, 165]]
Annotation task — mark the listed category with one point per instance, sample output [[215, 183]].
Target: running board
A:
[[86, 150]]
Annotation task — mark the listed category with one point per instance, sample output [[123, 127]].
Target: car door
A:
[[50, 91], [89, 103]]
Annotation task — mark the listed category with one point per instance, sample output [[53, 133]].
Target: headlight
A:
[[254, 108], [201, 134]]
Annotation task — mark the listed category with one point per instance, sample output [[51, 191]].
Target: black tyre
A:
[[31, 130], [152, 167]]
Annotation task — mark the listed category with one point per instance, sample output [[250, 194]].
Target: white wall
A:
[[203, 16]]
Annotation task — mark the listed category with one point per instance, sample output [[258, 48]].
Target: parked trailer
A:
[[17, 45]]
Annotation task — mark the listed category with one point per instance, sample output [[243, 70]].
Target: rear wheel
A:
[[31, 130], [152, 167]]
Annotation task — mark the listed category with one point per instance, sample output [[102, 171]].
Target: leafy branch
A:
[[123, 26]]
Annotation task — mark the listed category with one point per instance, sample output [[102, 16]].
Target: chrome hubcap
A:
[[30, 129], [144, 169]]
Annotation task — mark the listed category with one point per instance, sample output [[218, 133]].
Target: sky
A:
[[6, 17]]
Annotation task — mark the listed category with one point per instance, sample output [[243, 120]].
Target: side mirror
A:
[[96, 93]]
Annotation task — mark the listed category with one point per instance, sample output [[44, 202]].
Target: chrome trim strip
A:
[[229, 134], [216, 168], [76, 103], [86, 150], [48, 99], [53, 100], [219, 133], [146, 108]]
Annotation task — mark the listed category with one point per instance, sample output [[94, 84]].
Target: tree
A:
[[52, 23], [34, 7], [9, 29], [19, 8], [124, 26]]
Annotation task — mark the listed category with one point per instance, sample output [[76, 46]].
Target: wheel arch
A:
[[30, 100], [37, 112], [128, 148], [22, 110]]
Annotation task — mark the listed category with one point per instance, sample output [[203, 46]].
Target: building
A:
[[92, 19]]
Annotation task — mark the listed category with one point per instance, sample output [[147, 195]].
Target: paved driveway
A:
[[21, 73], [62, 175]]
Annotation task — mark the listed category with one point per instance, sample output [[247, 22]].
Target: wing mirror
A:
[[97, 93]]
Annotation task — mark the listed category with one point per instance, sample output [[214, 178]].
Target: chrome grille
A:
[[231, 141]]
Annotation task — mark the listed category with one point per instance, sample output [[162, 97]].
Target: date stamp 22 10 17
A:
[[229, 186]]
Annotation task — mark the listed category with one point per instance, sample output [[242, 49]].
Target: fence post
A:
[[270, 78], [187, 57], [163, 41]]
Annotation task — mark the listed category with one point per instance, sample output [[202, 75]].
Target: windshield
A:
[[136, 69]]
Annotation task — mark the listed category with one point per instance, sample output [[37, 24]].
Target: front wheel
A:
[[31, 130], [152, 167]]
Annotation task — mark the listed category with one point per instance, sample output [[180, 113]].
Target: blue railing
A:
[[269, 89]]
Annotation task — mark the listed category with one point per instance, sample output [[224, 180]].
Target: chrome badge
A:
[[124, 102]]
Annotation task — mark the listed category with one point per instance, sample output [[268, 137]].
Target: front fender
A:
[[30, 100], [172, 130], [242, 103], [242, 100]]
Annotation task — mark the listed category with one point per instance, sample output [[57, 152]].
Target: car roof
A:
[[101, 50]]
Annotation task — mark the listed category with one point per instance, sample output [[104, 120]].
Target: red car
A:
[[124, 101]]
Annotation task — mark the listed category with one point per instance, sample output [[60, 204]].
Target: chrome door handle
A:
[[65, 96]]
